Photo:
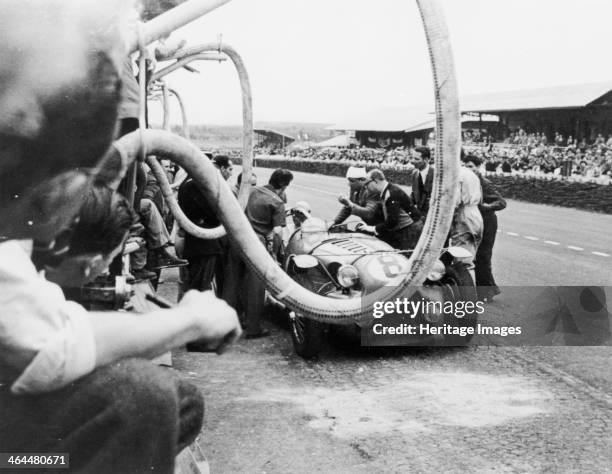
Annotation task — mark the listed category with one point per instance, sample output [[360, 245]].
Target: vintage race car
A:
[[344, 262]]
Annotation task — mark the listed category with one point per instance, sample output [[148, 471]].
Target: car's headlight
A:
[[437, 272], [347, 276]]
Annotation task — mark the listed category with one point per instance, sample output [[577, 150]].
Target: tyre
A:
[[306, 334], [459, 286]]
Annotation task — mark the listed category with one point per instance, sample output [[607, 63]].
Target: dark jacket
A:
[[200, 212], [421, 192], [398, 209], [367, 206], [492, 201]]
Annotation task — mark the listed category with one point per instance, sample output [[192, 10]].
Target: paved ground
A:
[[478, 409]]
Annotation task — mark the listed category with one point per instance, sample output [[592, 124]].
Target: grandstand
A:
[[580, 110], [267, 138]]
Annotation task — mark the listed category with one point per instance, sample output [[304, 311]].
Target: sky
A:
[[324, 61]]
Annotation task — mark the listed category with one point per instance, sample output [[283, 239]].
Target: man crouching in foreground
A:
[[72, 381]]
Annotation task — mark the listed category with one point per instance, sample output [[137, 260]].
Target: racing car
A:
[[344, 261]]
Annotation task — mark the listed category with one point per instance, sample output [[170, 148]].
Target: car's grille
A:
[[352, 246]]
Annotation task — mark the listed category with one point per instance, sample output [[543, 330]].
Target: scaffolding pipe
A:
[[184, 61], [192, 54], [164, 24], [181, 104], [166, 106], [438, 222]]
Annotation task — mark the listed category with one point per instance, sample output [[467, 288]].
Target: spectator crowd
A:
[[520, 154]]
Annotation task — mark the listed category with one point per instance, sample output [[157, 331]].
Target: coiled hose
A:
[[437, 225], [247, 139]]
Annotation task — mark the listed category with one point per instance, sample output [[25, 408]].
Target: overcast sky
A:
[[325, 60]]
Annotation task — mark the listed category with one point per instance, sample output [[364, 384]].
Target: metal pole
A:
[[183, 112], [184, 61], [189, 54], [166, 106], [164, 24]]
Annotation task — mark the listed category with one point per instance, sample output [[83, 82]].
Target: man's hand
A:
[[368, 229], [344, 201], [216, 321]]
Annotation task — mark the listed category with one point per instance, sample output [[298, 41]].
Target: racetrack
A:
[[475, 409], [536, 244]]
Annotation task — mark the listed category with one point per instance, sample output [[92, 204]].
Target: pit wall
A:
[[565, 193]]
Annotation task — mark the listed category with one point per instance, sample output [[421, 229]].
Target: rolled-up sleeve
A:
[[35, 318]]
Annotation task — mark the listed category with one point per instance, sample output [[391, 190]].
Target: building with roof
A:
[[580, 110], [268, 138]]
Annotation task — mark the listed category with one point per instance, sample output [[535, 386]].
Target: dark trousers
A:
[[244, 290], [404, 239], [233, 277], [484, 274], [202, 270], [129, 417]]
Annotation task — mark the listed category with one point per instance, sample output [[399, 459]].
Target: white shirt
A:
[[36, 318], [424, 172], [467, 219], [470, 191]]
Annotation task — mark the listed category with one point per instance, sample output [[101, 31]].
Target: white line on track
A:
[[315, 189], [513, 234]]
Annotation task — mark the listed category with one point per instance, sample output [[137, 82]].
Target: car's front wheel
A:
[[460, 288], [306, 334]]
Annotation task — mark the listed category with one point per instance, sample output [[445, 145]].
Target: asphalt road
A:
[[536, 244], [421, 410]]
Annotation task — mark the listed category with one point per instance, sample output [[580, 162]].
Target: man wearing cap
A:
[[299, 213], [361, 202]]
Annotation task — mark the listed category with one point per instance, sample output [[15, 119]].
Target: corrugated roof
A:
[[411, 119], [337, 141], [559, 97], [273, 133], [432, 123], [389, 119]]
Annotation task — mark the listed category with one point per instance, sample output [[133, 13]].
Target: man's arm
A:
[[367, 212], [492, 200], [48, 342], [199, 316], [344, 213], [407, 204]]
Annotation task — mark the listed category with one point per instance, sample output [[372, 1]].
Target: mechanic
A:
[[266, 212], [492, 202], [422, 179], [206, 256], [466, 229], [68, 382], [402, 224], [361, 202]]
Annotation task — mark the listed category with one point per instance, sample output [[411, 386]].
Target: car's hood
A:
[[377, 262]]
